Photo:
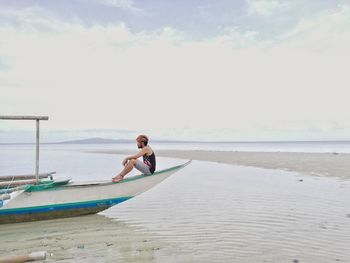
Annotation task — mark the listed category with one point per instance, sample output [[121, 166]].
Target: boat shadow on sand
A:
[[92, 238]]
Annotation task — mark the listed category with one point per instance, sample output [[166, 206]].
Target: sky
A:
[[239, 70]]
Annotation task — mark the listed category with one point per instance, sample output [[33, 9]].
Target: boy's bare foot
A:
[[117, 179]]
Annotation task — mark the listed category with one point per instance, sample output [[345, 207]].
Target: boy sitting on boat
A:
[[147, 167]]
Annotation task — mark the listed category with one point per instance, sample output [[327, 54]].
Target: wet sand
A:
[[195, 219], [320, 164], [93, 238]]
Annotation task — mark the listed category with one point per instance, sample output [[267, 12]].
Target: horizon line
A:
[[111, 141]]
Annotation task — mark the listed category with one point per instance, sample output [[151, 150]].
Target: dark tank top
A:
[[150, 161]]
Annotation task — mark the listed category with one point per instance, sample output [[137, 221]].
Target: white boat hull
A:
[[76, 199]]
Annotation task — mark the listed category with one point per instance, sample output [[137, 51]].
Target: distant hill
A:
[[95, 141], [107, 141]]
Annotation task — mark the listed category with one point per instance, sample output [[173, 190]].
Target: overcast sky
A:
[[192, 69]]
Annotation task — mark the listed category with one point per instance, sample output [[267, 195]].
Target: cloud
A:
[[226, 87], [266, 7], [329, 32], [128, 5], [3, 64], [33, 18]]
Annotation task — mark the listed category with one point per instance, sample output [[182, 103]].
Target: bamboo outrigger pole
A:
[[37, 119]]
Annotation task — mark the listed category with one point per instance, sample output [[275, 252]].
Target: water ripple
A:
[[242, 214]]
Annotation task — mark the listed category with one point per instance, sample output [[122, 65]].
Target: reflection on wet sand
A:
[[93, 238]]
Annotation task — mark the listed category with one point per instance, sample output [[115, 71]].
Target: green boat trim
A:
[[53, 187], [65, 206]]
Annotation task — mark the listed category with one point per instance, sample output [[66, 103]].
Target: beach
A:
[[319, 164], [226, 206], [93, 238]]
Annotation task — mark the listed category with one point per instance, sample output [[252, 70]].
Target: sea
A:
[[207, 212]]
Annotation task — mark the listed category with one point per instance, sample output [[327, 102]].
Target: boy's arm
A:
[[137, 155]]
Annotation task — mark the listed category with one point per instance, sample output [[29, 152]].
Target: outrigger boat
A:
[[42, 199]]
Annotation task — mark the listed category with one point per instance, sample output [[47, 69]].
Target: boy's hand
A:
[[125, 161]]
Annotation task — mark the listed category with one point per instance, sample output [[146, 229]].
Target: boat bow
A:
[[38, 202]]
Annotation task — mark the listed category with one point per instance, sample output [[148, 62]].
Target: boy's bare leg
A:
[[127, 169]]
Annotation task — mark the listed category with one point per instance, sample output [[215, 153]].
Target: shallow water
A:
[[242, 214], [207, 212], [66, 161], [292, 146]]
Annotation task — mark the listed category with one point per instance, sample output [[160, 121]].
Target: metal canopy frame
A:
[[37, 120]]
